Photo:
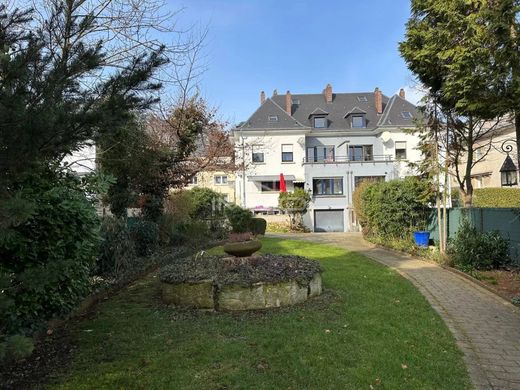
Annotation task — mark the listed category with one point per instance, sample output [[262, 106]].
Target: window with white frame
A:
[[272, 118], [320, 122], [400, 150], [358, 121], [258, 154], [360, 153], [287, 153], [270, 186], [327, 186], [220, 179]]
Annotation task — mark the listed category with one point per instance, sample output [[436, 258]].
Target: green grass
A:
[[370, 328]]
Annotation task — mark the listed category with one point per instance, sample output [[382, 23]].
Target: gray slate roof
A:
[[342, 104]]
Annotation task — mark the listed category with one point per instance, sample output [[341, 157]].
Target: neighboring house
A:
[[218, 181], [326, 143], [497, 168]]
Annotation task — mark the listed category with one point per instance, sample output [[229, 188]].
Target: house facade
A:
[[219, 181], [326, 143], [496, 164]]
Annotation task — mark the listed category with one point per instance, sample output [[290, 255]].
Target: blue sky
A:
[[298, 46]]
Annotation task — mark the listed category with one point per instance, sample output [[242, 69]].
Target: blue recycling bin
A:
[[422, 238]]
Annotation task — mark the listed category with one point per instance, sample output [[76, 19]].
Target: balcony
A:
[[374, 158]]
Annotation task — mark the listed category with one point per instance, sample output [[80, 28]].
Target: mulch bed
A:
[[224, 270], [506, 282]]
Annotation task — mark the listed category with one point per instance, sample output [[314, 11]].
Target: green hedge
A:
[[496, 197]]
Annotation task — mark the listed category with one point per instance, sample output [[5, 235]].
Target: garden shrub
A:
[[117, 249], [394, 209], [239, 218], [192, 232], [16, 347], [295, 205], [207, 204], [357, 202], [145, 234], [47, 255], [496, 197], [258, 226], [471, 249], [179, 206]]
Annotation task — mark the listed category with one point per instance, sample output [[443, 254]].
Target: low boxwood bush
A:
[[496, 197], [471, 249], [239, 218], [258, 226]]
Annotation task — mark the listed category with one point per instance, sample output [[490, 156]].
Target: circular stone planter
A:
[[220, 283]]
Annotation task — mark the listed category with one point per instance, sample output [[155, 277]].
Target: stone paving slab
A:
[[486, 327]]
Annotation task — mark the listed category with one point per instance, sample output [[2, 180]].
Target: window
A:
[[321, 153], [328, 186], [287, 153], [360, 153], [258, 154], [269, 186], [406, 115], [400, 150], [361, 179], [320, 122], [296, 102], [362, 99], [358, 121], [220, 180], [272, 118]]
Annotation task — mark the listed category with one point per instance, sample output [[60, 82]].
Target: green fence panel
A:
[[504, 220]]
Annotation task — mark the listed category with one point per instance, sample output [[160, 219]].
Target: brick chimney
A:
[[402, 93], [288, 103], [275, 92], [378, 100], [327, 92], [262, 97]]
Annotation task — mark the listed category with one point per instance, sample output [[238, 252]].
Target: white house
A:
[[326, 143]]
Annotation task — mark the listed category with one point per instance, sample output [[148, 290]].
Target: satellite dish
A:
[[386, 136]]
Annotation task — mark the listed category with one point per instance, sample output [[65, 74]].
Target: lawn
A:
[[370, 329]]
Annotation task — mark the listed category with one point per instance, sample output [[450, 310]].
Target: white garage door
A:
[[328, 221]]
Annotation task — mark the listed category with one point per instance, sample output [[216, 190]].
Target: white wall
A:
[[82, 161]]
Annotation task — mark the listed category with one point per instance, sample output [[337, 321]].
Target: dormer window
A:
[[362, 99], [272, 118], [358, 121], [296, 102], [406, 115], [320, 122]]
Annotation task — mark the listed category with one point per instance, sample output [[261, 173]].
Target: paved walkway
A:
[[486, 327]]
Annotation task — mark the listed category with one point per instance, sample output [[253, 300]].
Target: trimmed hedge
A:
[[496, 197], [258, 226]]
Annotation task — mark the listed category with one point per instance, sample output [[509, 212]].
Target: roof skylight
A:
[[362, 99], [406, 115], [272, 118]]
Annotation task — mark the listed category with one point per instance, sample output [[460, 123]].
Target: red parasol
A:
[[283, 187]]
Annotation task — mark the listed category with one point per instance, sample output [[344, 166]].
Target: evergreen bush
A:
[[496, 197], [471, 249]]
